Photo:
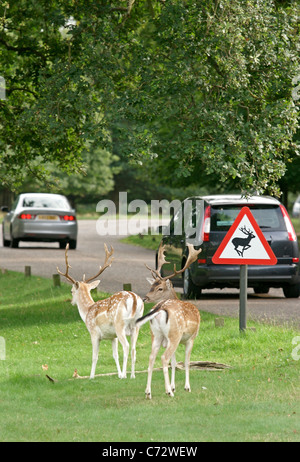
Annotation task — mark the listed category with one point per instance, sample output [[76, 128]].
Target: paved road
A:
[[272, 308], [129, 267]]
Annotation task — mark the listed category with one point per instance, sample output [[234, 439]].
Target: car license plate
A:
[[47, 217]]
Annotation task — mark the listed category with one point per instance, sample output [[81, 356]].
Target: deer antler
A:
[[192, 257], [161, 259], [66, 274], [160, 262], [107, 263], [245, 231]]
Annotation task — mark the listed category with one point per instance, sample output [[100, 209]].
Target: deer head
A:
[[85, 286], [161, 287], [247, 232]]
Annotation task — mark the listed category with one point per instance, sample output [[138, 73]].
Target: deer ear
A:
[[151, 281], [169, 284], [94, 284]]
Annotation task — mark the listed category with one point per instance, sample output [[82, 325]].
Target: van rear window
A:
[[268, 217]]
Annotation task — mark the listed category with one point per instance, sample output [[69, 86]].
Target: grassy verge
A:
[[147, 241], [255, 400]]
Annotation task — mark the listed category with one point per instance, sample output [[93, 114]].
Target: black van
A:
[[204, 222]]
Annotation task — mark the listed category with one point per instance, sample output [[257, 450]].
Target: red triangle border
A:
[[244, 261]]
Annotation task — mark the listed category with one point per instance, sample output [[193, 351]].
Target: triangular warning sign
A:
[[244, 243]]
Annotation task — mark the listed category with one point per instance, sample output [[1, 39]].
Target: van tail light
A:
[[26, 216], [206, 225], [67, 218], [289, 226], [201, 261]]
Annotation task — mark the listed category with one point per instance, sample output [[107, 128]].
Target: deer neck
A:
[[170, 294], [84, 302]]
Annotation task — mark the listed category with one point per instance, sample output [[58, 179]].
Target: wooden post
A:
[[27, 271], [56, 280]]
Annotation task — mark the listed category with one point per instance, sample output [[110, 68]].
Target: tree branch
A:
[[123, 9], [119, 8], [12, 89], [130, 4], [21, 49], [214, 64]]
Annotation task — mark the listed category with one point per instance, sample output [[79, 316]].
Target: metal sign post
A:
[[244, 244], [243, 296]]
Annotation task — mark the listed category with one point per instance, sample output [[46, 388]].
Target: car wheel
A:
[[291, 291], [190, 290], [14, 243], [6, 243], [73, 244]]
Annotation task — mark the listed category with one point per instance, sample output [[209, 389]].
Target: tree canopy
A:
[[196, 87]]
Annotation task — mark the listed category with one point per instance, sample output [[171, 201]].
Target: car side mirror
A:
[[4, 209]]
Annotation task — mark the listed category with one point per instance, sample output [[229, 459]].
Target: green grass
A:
[[256, 400], [147, 241]]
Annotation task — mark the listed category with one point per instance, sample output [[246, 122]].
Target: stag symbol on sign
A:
[[243, 242]]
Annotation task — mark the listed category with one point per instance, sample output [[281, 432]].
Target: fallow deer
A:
[[172, 321], [113, 318]]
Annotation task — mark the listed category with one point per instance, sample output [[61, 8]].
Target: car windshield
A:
[[267, 217], [48, 202]]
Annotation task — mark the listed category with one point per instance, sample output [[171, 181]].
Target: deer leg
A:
[[170, 351], [156, 344], [134, 337], [173, 363], [95, 344], [121, 334], [124, 342], [188, 350], [116, 355], [238, 251]]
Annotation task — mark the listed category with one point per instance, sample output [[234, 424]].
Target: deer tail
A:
[[149, 316]]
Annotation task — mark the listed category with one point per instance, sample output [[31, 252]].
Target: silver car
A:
[[40, 217]]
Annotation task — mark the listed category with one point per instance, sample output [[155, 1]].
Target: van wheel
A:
[[6, 243], [291, 291], [261, 290], [190, 290]]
